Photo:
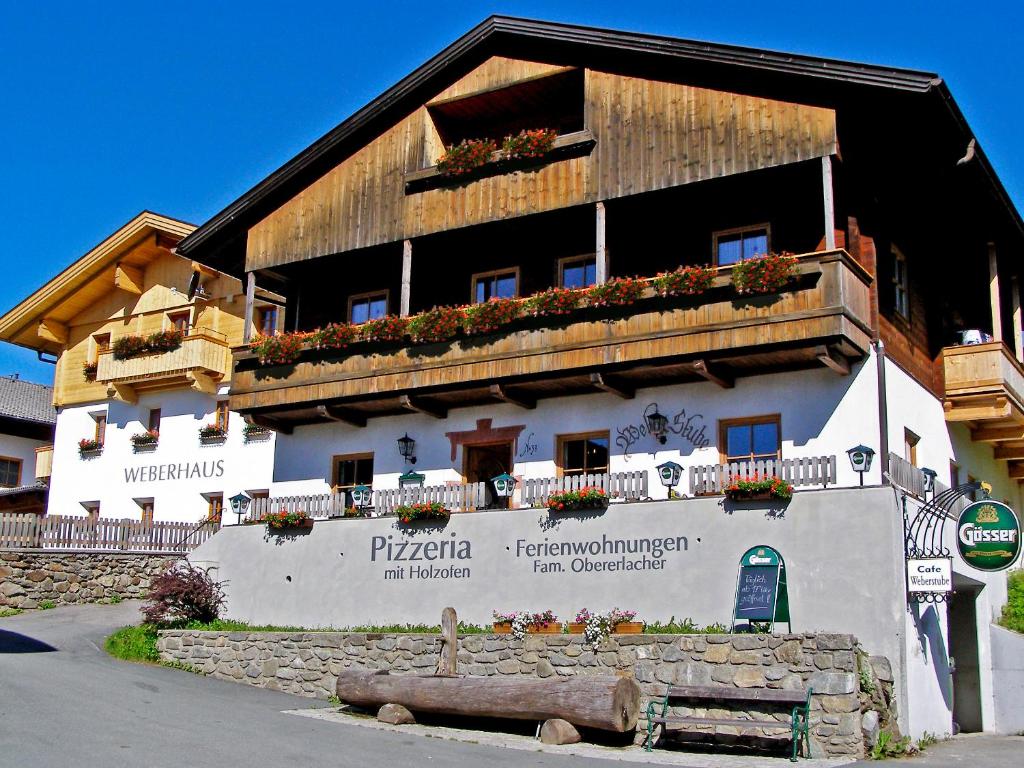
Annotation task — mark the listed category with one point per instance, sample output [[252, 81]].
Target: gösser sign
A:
[[988, 535]]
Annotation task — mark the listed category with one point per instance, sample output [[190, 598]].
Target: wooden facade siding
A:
[[31, 531], [983, 383], [801, 472], [831, 305], [650, 135], [201, 351]]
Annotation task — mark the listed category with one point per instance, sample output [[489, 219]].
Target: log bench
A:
[[797, 701]]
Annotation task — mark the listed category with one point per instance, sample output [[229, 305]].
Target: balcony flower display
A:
[[89, 371], [87, 447], [165, 341], [130, 346], [279, 349], [145, 439], [252, 432], [685, 281], [755, 487], [528, 144], [390, 328], [615, 292], [491, 314], [437, 324], [334, 336], [764, 274], [466, 156], [595, 627], [212, 432], [571, 501], [284, 519], [519, 623], [428, 510], [554, 301]]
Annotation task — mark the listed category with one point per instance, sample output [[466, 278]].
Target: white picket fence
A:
[[808, 471], [456, 498], [620, 486], [73, 532]]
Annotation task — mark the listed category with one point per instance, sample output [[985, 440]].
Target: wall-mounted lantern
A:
[[239, 504], [407, 447], [929, 479], [669, 474], [362, 496], [657, 423], [504, 484], [860, 460]]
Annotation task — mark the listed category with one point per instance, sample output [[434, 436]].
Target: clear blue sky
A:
[[110, 107]]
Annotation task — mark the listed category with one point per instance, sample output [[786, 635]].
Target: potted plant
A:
[[165, 341], [252, 432], [89, 447], [384, 329], [143, 440], [529, 144], [553, 301], [283, 520], [758, 488], [490, 315], [597, 626], [89, 371], [685, 281], [279, 349], [764, 274], [466, 156], [428, 510], [212, 433], [616, 292], [437, 324], [334, 336], [572, 501], [129, 346], [519, 623]]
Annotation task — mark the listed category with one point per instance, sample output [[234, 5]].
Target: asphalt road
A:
[[64, 702]]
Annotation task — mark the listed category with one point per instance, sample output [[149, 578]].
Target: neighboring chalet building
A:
[[142, 339], [27, 419]]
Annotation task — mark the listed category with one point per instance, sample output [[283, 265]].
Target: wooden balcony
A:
[[202, 360], [44, 463], [823, 319], [985, 390]]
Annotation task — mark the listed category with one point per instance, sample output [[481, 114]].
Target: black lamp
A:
[[407, 447], [657, 423]]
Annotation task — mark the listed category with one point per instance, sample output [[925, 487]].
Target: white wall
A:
[[24, 448], [119, 475]]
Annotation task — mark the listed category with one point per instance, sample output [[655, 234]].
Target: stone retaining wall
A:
[[853, 694], [29, 577]]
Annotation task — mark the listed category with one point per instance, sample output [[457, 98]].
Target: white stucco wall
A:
[[119, 475], [24, 448]]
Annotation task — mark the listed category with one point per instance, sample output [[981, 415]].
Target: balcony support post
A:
[[124, 392], [830, 358], [993, 290], [250, 301], [828, 196], [713, 373], [418, 406], [333, 413], [268, 423], [498, 392], [403, 309], [620, 389], [600, 248], [1018, 331]]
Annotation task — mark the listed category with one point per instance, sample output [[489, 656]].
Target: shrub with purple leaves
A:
[[182, 594]]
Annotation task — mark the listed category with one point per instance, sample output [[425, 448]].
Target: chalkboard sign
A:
[[757, 592]]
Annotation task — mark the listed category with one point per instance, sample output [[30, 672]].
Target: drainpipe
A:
[[883, 411]]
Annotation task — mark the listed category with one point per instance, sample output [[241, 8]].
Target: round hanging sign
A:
[[988, 535]]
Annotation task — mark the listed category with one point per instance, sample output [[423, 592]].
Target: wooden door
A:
[[483, 462]]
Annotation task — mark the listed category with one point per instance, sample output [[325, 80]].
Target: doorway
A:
[[484, 462], [963, 647]]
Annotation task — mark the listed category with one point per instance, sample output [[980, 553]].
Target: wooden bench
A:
[[799, 702]]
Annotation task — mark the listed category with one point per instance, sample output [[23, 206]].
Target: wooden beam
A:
[[993, 408], [123, 392], [418, 406], [52, 330], [713, 374], [832, 359], [994, 434], [1010, 452], [498, 392], [601, 247], [993, 293], [129, 278], [1018, 328], [334, 413], [828, 195], [250, 301], [1016, 471], [268, 423], [602, 382], [200, 382], [406, 296]]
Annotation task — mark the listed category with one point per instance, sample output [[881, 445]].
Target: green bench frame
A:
[[799, 700]]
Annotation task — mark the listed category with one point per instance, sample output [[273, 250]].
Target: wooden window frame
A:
[[900, 283], [561, 440], [222, 414], [338, 458], [560, 266], [491, 273], [911, 440], [258, 313], [214, 505], [95, 347], [186, 313], [20, 465], [151, 420], [766, 226], [369, 295], [100, 433], [723, 427]]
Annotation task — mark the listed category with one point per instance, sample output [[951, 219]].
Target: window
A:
[[900, 283], [352, 470], [577, 272], [266, 320], [221, 415], [92, 509], [154, 420], [751, 439], [367, 306], [100, 343], [733, 245], [179, 321], [147, 511], [910, 441], [583, 454], [10, 472], [214, 506], [501, 284], [101, 427]]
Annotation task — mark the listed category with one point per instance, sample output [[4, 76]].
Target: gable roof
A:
[[820, 80], [95, 267], [26, 401]]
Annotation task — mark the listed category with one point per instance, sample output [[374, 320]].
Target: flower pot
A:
[[577, 629], [628, 628], [553, 628], [503, 628], [302, 525], [759, 496]]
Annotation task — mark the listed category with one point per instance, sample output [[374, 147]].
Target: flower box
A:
[[550, 628], [759, 489], [576, 501], [628, 628], [576, 628], [430, 511], [503, 627], [301, 525]]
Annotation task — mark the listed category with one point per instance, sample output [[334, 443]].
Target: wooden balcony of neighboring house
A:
[[44, 463], [201, 362], [821, 319], [984, 389]]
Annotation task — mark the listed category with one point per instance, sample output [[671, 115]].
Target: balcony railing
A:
[[803, 472], [44, 462], [984, 383], [822, 318], [202, 351]]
